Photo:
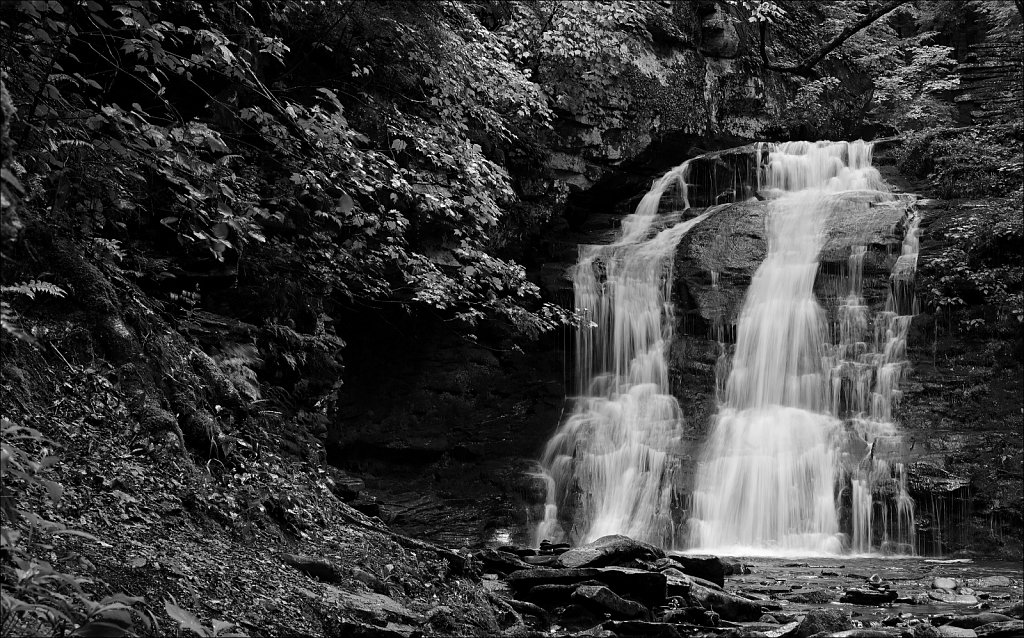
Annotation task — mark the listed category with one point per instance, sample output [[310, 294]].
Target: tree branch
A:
[[806, 66]]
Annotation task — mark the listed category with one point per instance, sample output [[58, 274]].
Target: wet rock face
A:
[[716, 261]]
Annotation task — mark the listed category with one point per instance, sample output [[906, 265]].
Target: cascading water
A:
[[803, 456], [779, 456], [612, 461]]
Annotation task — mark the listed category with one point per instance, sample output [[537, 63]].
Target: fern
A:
[[30, 288], [9, 318]]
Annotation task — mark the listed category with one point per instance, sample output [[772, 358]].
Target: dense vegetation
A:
[[200, 199]]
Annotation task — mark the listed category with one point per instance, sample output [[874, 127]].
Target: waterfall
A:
[[779, 455], [610, 465], [803, 456]]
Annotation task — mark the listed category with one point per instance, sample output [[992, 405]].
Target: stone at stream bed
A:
[[970, 621], [499, 562], [640, 585], [860, 633], [604, 599], [860, 596], [710, 568], [1005, 629], [819, 620], [693, 616], [541, 561], [728, 606], [809, 596], [610, 550], [958, 599], [948, 631], [942, 582], [1016, 610], [989, 581]]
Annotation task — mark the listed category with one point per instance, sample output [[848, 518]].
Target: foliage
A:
[[180, 131], [973, 162], [9, 318], [977, 271], [39, 598]]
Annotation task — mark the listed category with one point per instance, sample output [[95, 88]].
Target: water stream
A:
[[803, 457]]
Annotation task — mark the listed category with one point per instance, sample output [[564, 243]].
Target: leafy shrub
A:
[[974, 162]]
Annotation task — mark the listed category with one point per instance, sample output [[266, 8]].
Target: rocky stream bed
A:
[[618, 587]]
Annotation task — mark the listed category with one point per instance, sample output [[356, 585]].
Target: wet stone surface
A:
[[832, 597]]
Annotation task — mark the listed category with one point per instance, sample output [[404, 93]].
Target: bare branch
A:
[[806, 66]]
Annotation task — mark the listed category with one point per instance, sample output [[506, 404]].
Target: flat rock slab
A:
[[990, 581], [948, 631], [526, 578], [710, 568], [610, 550], [958, 599], [499, 562], [970, 621], [1004, 629], [728, 606], [808, 596], [638, 584], [860, 596]]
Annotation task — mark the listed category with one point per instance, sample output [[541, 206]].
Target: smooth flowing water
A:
[[805, 423], [611, 464], [803, 457]]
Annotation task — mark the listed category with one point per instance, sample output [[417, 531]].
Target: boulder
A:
[[728, 606], [823, 620], [610, 550], [862, 596], [943, 582], [710, 568], [641, 585], [605, 600]]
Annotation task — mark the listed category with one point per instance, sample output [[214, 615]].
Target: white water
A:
[[774, 468], [803, 457], [611, 464]]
